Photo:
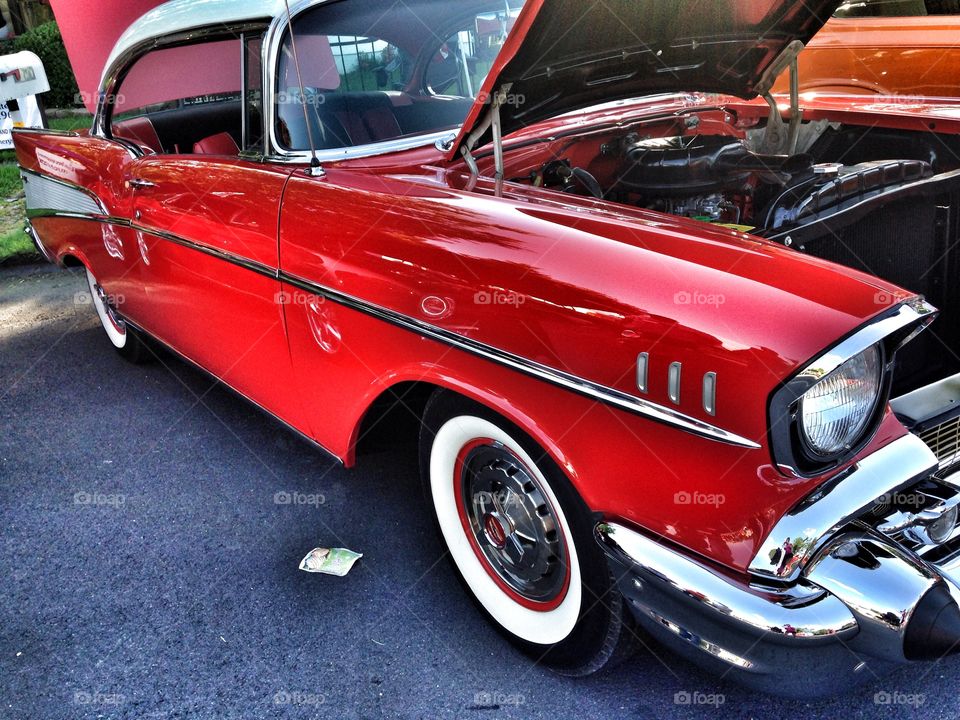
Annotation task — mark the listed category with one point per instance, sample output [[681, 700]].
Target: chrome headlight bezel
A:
[[888, 333], [871, 363]]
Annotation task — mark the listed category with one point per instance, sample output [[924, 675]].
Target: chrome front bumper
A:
[[858, 603]]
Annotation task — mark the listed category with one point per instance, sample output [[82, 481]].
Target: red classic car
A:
[[648, 316], [886, 47]]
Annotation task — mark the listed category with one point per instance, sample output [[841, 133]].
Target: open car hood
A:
[[565, 55]]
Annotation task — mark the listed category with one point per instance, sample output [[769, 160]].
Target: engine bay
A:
[[727, 180]]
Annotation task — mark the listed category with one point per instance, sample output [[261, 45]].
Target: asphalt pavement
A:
[[151, 525]]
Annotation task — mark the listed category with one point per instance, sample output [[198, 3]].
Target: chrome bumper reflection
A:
[[803, 531]]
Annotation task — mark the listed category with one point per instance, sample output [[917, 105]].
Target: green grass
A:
[[10, 182], [78, 122], [16, 245]]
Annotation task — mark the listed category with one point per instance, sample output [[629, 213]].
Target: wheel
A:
[[519, 536], [127, 341]]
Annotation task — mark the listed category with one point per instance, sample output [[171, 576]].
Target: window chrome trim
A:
[[303, 157], [275, 153], [44, 131]]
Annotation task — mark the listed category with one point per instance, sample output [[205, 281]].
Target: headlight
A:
[[834, 413]]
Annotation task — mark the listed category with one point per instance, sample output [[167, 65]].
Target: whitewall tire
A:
[[125, 339], [519, 536]]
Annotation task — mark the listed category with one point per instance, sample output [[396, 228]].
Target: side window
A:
[[367, 64], [897, 8], [183, 100], [346, 81]]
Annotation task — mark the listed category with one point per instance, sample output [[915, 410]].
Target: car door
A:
[[205, 221]]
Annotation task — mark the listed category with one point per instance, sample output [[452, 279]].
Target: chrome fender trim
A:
[[47, 194], [568, 381]]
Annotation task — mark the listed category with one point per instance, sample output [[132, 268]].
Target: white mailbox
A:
[[22, 78], [22, 75]]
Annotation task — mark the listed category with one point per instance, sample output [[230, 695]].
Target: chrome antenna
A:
[[315, 168]]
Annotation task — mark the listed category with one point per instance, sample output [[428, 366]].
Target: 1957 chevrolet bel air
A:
[[649, 316]]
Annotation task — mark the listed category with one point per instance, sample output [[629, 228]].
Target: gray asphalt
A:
[[148, 571]]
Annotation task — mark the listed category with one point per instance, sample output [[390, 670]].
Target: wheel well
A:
[[394, 418]]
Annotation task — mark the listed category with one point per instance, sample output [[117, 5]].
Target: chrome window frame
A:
[[272, 43], [274, 28], [115, 75]]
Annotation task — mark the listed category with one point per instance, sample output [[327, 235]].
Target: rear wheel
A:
[[519, 536], [127, 341]]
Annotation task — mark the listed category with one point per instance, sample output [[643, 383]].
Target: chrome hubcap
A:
[[513, 523]]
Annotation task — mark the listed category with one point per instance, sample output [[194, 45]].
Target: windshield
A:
[[373, 71]]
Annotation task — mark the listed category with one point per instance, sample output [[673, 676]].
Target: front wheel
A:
[[519, 536], [125, 340]]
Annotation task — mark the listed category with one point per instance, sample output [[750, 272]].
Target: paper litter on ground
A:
[[330, 561]]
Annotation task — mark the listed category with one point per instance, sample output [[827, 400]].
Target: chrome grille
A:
[[913, 499], [944, 440]]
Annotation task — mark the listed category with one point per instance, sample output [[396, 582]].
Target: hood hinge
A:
[[492, 123]]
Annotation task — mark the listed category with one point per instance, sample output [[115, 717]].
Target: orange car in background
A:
[[886, 47]]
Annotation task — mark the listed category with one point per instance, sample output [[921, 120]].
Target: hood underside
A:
[[565, 55]]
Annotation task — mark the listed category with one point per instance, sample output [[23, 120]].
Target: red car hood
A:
[[90, 29], [564, 55]]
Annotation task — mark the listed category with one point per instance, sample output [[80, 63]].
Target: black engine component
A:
[[830, 188], [907, 232], [687, 166]]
